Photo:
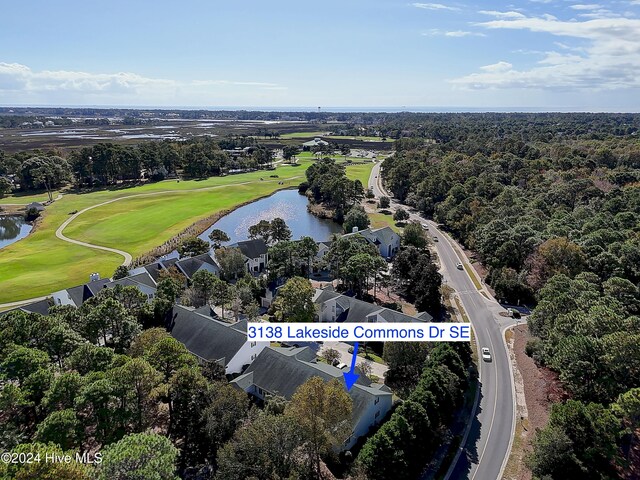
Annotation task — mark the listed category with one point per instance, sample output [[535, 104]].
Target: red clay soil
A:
[[541, 389]]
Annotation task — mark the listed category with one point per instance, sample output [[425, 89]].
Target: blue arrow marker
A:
[[351, 377]]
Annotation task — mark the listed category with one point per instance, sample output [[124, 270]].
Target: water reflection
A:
[[286, 204], [12, 229]]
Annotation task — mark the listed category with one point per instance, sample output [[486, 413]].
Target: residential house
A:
[[76, 296], [186, 266], [41, 307], [189, 266], [323, 249], [256, 254], [280, 371], [316, 142], [384, 239], [212, 340], [335, 307]]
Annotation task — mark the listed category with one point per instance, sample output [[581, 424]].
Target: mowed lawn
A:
[[26, 199], [303, 134], [379, 220], [41, 263], [138, 224], [360, 171]]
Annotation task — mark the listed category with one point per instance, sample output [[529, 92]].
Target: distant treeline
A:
[[110, 163]]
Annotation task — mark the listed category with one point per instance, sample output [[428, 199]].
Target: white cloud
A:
[[434, 6], [497, 67], [505, 15], [591, 6], [610, 59], [20, 79], [434, 32]]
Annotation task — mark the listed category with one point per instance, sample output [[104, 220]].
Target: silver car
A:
[[486, 354]]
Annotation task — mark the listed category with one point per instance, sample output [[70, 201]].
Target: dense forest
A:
[[551, 205], [110, 163], [107, 382]]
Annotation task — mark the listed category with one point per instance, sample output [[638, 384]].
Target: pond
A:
[[286, 204], [12, 229]]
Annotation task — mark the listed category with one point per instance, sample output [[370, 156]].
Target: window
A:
[[377, 413], [253, 357], [253, 344], [377, 401]]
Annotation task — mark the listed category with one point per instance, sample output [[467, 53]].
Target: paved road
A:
[[487, 446]]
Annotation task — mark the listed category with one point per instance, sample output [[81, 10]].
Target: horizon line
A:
[[339, 109]]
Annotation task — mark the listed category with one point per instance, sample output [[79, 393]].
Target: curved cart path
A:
[[126, 255]]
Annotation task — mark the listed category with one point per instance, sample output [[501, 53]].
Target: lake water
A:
[[12, 229], [286, 204]]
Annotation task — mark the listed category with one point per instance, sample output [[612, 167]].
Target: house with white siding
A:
[[280, 371], [212, 340]]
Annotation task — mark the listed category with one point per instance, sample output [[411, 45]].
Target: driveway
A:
[[377, 369]]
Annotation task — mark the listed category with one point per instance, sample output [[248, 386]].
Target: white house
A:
[[212, 340], [256, 254], [323, 249], [187, 266], [385, 239], [76, 296], [316, 142], [280, 371], [335, 307]]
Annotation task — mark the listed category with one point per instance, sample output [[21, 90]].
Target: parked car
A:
[[425, 226], [513, 313], [459, 266], [435, 239], [486, 354]]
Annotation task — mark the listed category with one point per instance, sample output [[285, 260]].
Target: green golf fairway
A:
[[145, 217]]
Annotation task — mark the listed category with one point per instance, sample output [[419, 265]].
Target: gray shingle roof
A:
[[205, 337], [189, 266], [134, 280], [280, 371], [386, 234], [95, 286], [357, 310], [252, 248], [41, 307], [144, 278]]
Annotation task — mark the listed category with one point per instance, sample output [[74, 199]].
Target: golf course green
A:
[[135, 220]]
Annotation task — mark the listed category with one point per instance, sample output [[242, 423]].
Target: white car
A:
[[459, 266], [486, 354], [425, 226], [435, 239]]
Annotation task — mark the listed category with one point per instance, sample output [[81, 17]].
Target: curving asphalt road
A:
[[487, 442]]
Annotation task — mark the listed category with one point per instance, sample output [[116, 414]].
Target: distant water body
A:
[[334, 109]]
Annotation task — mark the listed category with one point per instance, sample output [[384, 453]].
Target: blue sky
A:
[[362, 53]]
